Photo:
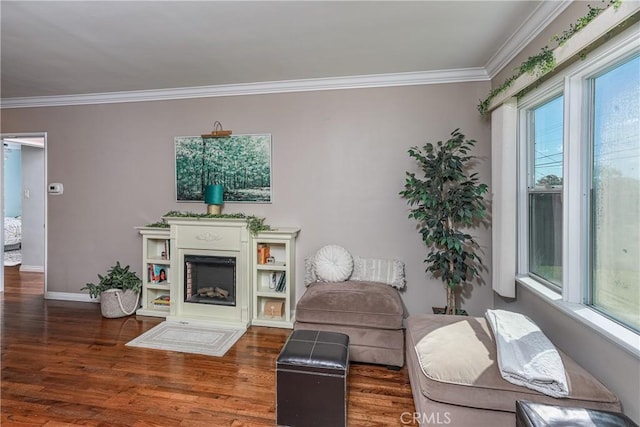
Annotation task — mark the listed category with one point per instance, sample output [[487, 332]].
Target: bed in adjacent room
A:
[[12, 233]]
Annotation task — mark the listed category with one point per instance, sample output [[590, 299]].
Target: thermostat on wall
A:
[[55, 188]]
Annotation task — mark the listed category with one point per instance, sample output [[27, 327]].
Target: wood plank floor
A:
[[63, 364]]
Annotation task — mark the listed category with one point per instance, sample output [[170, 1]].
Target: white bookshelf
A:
[[156, 256], [271, 291]]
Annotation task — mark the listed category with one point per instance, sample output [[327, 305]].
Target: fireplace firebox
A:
[[210, 280]]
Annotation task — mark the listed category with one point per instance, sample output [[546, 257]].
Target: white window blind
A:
[[504, 197]]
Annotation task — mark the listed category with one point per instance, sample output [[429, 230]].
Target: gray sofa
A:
[[370, 313], [459, 379]]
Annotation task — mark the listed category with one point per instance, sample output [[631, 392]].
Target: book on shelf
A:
[[282, 282], [165, 253], [162, 301], [158, 273], [263, 253], [273, 280], [277, 281]]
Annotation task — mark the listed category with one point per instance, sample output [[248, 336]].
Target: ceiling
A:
[[56, 48]]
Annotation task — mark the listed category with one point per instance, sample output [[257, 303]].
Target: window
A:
[[545, 188], [579, 174], [615, 193]]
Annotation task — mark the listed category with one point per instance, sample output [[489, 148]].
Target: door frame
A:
[[3, 137]]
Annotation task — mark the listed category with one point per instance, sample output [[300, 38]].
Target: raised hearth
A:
[[210, 269]]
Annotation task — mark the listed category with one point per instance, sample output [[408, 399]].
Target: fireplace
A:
[[210, 280], [210, 271]]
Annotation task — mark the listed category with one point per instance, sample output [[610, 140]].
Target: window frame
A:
[[527, 137], [526, 173], [575, 84], [589, 100]]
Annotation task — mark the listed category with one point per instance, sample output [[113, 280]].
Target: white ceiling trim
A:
[[305, 85], [539, 19]]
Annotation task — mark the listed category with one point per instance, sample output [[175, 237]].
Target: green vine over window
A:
[[583, 22], [255, 224], [159, 224], [544, 62]]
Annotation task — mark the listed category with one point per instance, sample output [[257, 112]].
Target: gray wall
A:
[[339, 161], [613, 366], [33, 180]]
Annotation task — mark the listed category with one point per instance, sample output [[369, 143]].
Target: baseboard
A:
[[69, 296], [32, 268]]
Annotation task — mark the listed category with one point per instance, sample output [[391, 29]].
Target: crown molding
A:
[[537, 21], [304, 85]]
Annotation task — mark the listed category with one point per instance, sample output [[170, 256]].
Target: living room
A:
[[339, 158]]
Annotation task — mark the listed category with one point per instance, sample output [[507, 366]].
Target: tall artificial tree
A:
[[447, 201]]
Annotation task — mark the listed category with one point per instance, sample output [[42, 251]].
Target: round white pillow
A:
[[333, 263]]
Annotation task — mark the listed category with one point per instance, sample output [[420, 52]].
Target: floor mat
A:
[[189, 338]]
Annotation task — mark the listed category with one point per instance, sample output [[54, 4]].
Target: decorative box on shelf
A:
[[273, 309]]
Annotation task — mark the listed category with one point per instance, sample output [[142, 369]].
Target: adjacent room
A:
[[326, 213]]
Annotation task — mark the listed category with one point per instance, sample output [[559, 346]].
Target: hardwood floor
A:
[[64, 364]]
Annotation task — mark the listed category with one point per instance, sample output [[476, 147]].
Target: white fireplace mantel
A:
[[210, 237]]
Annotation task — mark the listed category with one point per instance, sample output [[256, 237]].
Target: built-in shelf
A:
[[156, 256], [273, 281]]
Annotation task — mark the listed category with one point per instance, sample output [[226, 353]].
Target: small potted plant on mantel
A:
[[446, 202], [119, 291]]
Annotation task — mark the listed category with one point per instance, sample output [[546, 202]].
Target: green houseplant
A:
[[446, 201], [119, 291]]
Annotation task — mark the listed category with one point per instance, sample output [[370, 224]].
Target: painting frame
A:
[[242, 164]]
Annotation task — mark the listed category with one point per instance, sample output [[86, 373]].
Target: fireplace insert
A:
[[210, 280]]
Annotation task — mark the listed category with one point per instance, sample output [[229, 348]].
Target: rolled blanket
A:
[[526, 357]]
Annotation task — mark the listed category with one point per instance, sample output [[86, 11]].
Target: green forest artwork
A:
[[240, 163]]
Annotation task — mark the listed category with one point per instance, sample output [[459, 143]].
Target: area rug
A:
[[189, 338], [12, 258]]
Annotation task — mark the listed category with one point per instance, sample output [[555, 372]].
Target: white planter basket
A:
[[119, 303]]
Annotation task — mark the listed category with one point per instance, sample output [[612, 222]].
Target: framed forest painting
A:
[[240, 163]]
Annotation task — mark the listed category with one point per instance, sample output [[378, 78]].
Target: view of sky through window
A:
[[616, 122], [548, 143]]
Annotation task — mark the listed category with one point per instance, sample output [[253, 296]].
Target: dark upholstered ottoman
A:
[[311, 380], [530, 414]]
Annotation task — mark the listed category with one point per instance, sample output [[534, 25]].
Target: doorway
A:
[[23, 203]]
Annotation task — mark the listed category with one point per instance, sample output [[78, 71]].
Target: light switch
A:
[[27, 193]]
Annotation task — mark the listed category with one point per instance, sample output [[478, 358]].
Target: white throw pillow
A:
[[389, 271], [309, 271], [333, 263]]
